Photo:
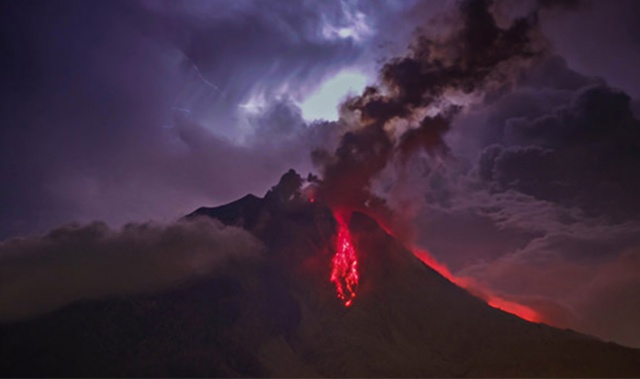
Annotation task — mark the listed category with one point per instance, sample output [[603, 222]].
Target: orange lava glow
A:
[[474, 288], [344, 273], [519, 310]]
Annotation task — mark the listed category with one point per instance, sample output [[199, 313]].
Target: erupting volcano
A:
[[344, 273], [277, 316], [478, 142]]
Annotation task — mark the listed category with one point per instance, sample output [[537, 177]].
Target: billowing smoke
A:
[[415, 103], [79, 262]]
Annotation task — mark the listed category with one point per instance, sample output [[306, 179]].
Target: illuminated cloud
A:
[[323, 104]]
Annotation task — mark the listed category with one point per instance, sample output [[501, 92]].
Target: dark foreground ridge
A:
[[280, 317]]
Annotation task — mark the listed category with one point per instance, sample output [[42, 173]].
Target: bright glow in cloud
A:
[[353, 24], [323, 104], [356, 28]]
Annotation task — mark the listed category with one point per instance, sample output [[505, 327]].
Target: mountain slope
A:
[[280, 317]]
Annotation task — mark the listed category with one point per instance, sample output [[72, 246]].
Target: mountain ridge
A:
[[280, 316]]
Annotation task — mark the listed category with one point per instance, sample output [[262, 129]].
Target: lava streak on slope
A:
[[344, 272], [475, 289], [345, 275]]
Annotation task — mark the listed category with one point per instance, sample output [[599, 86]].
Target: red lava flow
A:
[[344, 273]]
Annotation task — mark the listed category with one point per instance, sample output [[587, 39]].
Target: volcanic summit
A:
[[291, 314]]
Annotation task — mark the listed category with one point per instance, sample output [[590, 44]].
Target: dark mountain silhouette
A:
[[280, 317]]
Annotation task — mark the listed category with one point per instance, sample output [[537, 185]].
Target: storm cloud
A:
[[102, 100]]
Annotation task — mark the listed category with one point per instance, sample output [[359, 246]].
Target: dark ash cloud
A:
[[582, 155], [472, 57]]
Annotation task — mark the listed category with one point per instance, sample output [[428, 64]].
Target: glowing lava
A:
[[474, 288], [519, 310], [344, 273]]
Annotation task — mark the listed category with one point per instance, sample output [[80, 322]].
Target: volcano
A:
[[293, 314]]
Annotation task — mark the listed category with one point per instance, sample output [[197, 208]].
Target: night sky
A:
[[504, 136]]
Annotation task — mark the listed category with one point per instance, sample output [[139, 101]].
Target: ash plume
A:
[[413, 107]]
